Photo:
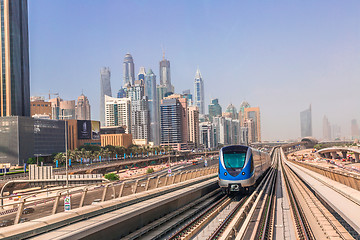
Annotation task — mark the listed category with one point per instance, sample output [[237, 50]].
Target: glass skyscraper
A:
[[214, 108], [165, 78], [199, 92], [129, 75], [306, 123], [14, 81], [150, 92], [105, 89]]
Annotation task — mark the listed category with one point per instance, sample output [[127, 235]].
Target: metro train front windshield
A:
[[234, 159]]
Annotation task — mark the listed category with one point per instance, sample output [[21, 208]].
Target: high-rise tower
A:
[[129, 76], [82, 108], [199, 92], [142, 74], [14, 80], [105, 90], [165, 78], [306, 123], [150, 92]]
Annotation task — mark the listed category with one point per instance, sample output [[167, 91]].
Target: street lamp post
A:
[[66, 160]]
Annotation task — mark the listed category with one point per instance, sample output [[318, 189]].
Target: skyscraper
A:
[[150, 92], [214, 109], [254, 114], [105, 90], [129, 75], [171, 124], [199, 92], [306, 123], [326, 129], [118, 112], [354, 129], [142, 74], [14, 81], [82, 108], [139, 111], [165, 78], [193, 125]]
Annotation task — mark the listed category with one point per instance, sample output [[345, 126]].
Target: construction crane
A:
[[57, 94]]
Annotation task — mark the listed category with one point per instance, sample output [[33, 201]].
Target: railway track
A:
[[313, 220], [256, 216]]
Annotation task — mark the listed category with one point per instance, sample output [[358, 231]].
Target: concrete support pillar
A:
[[327, 155], [121, 189], [166, 180], [56, 203], [344, 154], [114, 192], [181, 176], [356, 157], [333, 155], [173, 180], [82, 200], [147, 184], [135, 186], [19, 211], [104, 192], [157, 182]]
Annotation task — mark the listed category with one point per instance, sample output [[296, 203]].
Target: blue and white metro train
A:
[[240, 167]]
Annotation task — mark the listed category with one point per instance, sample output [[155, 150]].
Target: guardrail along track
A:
[[312, 219]]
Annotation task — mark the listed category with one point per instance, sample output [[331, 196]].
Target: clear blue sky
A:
[[278, 55]]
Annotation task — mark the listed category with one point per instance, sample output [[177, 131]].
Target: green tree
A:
[[112, 176]]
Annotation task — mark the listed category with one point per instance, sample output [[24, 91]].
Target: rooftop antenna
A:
[[163, 51]]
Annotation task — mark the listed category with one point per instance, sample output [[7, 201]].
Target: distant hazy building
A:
[[199, 97], [326, 129], [243, 105], [187, 94], [39, 108], [214, 108], [207, 135], [253, 113], [151, 94], [171, 124], [142, 74], [121, 93], [193, 125], [128, 65], [140, 124], [62, 110], [82, 108], [244, 136], [184, 115], [336, 132], [354, 129], [228, 130], [14, 79], [105, 90], [306, 123], [231, 112], [118, 112], [165, 77]]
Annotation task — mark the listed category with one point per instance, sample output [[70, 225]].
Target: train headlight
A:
[[225, 173], [243, 173]]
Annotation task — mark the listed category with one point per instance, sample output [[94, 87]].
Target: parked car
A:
[[28, 210], [5, 223]]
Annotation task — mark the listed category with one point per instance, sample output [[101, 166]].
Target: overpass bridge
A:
[[333, 152]]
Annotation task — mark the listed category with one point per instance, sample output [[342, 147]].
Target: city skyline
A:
[[308, 57]]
